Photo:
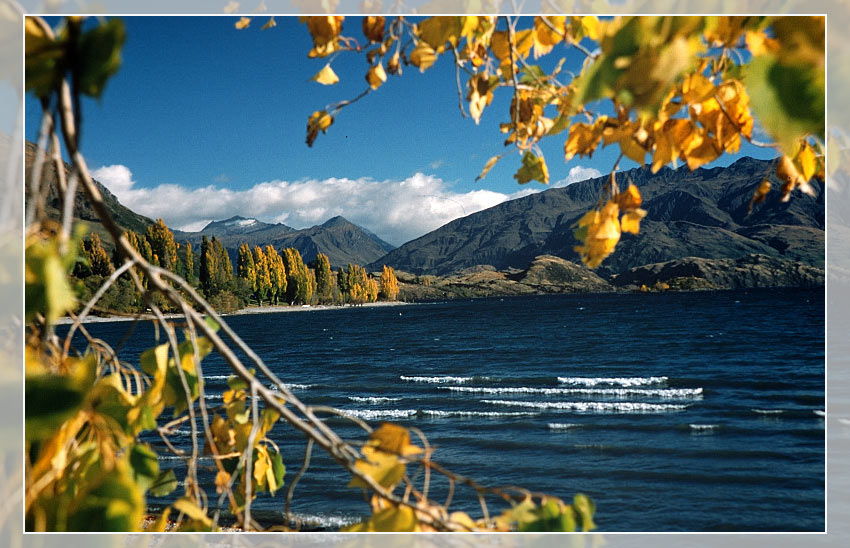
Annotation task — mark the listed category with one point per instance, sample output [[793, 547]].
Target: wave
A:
[[294, 386], [217, 377], [562, 425], [436, 380], [616, 407], [322, 523], [768, 411], [372, 399], [372, 414], [438, 413], [819, 412], [620, 392], [704, 427], [616, 381]]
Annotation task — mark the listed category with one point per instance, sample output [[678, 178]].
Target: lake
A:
[[674, 412]]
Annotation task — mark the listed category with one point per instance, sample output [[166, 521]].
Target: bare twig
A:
[[308, 451]]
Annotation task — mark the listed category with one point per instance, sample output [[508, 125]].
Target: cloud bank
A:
[[397, 211]]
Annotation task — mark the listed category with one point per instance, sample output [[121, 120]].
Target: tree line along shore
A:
[[263, 276]]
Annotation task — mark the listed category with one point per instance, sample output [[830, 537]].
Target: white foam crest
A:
[[325, 522], [436, 380], [617, 381], [768, 411], [562, 425], [619, 392], [819, 412], [372, 399], [371, 414], [439, 413], [293, 386], [217, 377], [704, 427], [615, 407]]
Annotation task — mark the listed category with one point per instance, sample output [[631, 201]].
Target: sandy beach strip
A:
[[246, 310]]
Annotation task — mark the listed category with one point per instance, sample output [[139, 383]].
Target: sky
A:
[[203, 122]]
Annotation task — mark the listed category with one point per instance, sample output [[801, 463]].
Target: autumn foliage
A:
[[660, 89]]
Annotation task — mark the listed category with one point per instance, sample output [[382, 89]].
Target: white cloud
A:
[[577, 174], [397, 211]]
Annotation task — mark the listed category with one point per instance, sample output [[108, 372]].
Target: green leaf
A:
[[144, 464], [788, 100], [533, 167], [278, 469], [237, 383], [585, 508], [114, 504], [49, 401], [52, 399], [164, 484], [533, 74], [99, 56]]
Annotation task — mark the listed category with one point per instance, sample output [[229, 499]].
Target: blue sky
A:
[[203, 122]]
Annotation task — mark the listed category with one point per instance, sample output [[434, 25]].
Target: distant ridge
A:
[[701, 213], [341, 240]]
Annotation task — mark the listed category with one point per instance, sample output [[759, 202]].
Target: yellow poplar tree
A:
[[389, 284], [264, 281]]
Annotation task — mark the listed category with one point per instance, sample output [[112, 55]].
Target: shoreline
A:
[[244, 311]]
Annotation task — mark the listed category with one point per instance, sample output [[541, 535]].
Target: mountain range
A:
[[341, 240], [702, 213]]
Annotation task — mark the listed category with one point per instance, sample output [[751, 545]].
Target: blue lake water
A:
[[674, 412]]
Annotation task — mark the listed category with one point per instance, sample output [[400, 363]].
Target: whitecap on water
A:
[[615, 381], [592, 406], [372, 399], [616, 392]]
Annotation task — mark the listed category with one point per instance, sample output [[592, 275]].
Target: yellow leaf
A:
[[243, 23], [188, 507], [787, 171], [325, 33], [488, 166], [629, 198], [271, 23], [760, 193], [318, 121], [376, 76], [582, 140], [423, 56], [696, 88], [393, 438], [385, 468], [393, 66], [590, 24], [631, 220], [395, 519], [807, 160], [548, 31], [221, 481], [373, 27], [436, 31], [261, 465]]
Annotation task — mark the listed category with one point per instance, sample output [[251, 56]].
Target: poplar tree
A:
[[264, 281], [298, 289], [324, 279], [162, 244], [389, 284], [188, 263], [277, 274], [245, 267]]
